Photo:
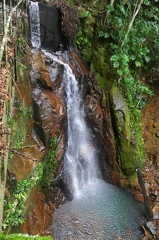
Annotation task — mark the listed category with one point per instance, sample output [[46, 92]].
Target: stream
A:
[[98, 210]]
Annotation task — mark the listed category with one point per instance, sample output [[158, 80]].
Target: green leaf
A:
[[116, 64], [103, 34], [137, 63], [120, 72], [132, 57], [114, 58], [122, 9], [125, 57], [147, 59], [110, 8]]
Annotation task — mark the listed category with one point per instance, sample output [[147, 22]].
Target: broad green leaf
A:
[[120, 72], [114, 58], [137, 63], [125, 57], [147, 59], [132, 57], [110, 8], [116, 64]]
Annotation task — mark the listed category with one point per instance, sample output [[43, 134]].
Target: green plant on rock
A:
[[18, 128], [15, 204], [85, 34], [20, 236], [50, 163]]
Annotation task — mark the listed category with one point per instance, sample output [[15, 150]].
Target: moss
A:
[[22, 75], [98, 60], [122, 114], [129, 163], [100, 80], [132, 155], [128, 135], [87, 55]]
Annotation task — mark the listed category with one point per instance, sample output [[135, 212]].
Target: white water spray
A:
[[80, 160], [34, 24]]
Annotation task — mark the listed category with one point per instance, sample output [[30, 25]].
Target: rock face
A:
[[126, 138], [49, 109], [50, 27]]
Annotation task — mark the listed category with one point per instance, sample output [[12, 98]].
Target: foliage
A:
[[17, 124], [19, 236], [50, 163], [85, 34], [130, 39], [14, 207]]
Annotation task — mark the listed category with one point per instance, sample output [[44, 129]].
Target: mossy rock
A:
[[98, 60], [121, 113], [100, 80], [129, 141], [129, 163]]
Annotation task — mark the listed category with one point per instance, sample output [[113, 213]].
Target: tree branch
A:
[[132, 21], [15, 151], [4, 40]]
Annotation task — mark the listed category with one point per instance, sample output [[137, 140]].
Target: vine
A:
[[50, 163], [14, 207]]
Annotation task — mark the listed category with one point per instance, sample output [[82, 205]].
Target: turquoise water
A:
[[102, 212]]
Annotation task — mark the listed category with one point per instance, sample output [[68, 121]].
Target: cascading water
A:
[[34, 24], [79, 159], [99, 210]]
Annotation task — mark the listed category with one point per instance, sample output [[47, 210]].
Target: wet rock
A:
[[156, 211], [39, 219], [147, 233], [25, 160], [152, 227], [139, 197], [49, 106], [83, 69], [93, 110], [65, 189]]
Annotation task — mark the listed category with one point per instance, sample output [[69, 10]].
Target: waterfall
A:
[[34, 24], [80, 157]]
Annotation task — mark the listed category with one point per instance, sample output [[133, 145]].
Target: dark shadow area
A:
[[51, 35]]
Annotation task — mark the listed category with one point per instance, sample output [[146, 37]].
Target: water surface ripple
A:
[[101, 212]]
